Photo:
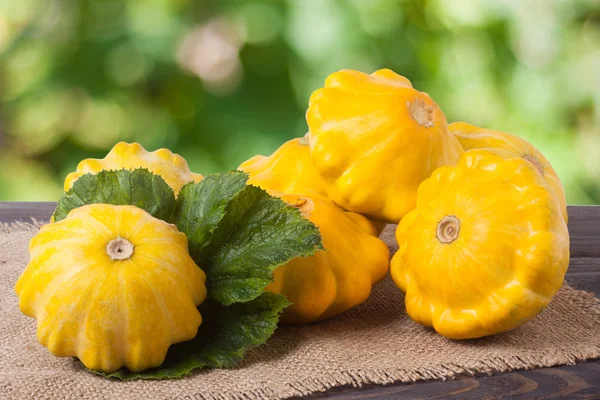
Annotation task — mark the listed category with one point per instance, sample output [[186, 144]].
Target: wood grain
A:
[[581, 381]]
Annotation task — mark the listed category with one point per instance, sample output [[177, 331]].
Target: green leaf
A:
[[226, 333], [201, 207], [258, 234], [239, 234], [139, 187]]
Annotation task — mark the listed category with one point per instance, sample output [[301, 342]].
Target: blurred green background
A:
[[219, 81]]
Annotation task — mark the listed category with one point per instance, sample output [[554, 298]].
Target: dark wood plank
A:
[[23, 211], [584, 274], [571, 382], [584, 229]]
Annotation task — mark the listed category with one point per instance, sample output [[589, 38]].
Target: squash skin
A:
[[334, 280], [111, 313], [171, 167], [374, 139], [289, 170], [507, 145], [509, 257]]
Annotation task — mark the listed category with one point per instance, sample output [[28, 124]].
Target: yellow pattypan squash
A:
[[289, 170], [485, 249], [113, 286], [374, 139], [171, 167], [334, 280], [507, 145]]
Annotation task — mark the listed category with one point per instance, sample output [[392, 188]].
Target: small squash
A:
[[289, 170], [113, 286], [374, 139], [507, 145], [171, 167], [485, 249], [334, 280]]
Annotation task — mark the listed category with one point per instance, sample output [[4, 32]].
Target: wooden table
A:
[[581, 381]]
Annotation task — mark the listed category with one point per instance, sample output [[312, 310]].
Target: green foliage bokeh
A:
[[220, 81]]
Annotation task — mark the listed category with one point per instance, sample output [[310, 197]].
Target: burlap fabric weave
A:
[[373, 343]]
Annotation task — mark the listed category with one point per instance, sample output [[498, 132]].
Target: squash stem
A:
[[448, 229], [304, 140], [422, 113], [119, 249]]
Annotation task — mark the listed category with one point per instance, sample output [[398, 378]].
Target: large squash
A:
[[341, 276], [374, 139], [171, 167], [289, 170], [113, 286], [485, 249], [507, 145]]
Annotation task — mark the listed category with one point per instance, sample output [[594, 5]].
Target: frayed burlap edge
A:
[[358, 378], [32, 226]]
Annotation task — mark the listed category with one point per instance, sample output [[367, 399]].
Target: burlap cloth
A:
[[373, 343]]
